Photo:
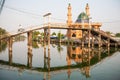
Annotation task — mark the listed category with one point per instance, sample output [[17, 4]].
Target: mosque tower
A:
[[69, 15], [87, 10]]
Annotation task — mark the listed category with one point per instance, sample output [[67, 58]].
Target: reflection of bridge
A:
[[89, 58]]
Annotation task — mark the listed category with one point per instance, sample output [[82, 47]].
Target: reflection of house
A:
[[83, 21]]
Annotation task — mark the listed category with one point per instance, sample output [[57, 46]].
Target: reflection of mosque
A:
[[85, 57], [80, 56]]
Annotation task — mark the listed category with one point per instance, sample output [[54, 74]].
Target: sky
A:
[[30, 13]]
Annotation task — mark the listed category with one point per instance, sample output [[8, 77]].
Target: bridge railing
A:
[[61, 25]]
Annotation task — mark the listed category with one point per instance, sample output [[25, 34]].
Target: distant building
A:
[[83, 21]]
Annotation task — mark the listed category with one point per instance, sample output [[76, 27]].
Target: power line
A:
[[38, 15], [30, 13], [1, 5]]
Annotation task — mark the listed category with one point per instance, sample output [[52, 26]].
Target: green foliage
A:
[[117, 34], [2, 31], [35, 35], [53, 34], [108, 32], [60, 35], [3, 43]]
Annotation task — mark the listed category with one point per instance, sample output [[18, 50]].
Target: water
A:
[[61, 62]]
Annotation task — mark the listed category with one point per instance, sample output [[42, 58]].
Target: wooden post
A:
[[48, 36], [89, 38], [29, 63], [10, 41], [48, 60], [115, 45], [45, 65], [99, 53], [10, 58], [99, 41], [83, 38], [108, 45], [45, 37], [69, 34], [92, 41], [29, 49]]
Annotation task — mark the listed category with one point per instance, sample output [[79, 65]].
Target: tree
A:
[[35, 35], [117, 34], [108, 32], [53, 34]]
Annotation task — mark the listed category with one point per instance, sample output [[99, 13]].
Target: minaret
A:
[[87, 10], [69, 15]]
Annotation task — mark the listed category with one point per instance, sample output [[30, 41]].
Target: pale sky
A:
[[30, 12]]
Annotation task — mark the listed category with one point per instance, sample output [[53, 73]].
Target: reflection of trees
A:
[[59, 48], [19, 38], [35, 44]]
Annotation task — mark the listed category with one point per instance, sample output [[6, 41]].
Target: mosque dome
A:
[[82, 18]]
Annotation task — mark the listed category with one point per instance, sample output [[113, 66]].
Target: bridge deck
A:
[[62, 26]]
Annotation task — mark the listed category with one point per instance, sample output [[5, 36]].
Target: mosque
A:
[[83, 22]]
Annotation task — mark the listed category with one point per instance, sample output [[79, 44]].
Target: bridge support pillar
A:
[[115, 45], [69, 35], [48, 60], [29, 49], [99, 41], [45, 38], [89, 32], [10, 42], [108, 43], [92, 41], [48, 37], [99, 53], [83, 38]]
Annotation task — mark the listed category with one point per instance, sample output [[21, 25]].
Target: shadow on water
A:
[[83, 57]]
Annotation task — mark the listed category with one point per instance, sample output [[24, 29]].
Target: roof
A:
[[82, 17]]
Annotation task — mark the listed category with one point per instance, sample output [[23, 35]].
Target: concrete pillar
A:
[[29, 49]]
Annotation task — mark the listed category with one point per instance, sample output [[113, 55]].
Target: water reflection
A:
[[83, 57]]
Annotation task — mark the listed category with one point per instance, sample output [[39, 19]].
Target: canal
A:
[[61, 62]]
